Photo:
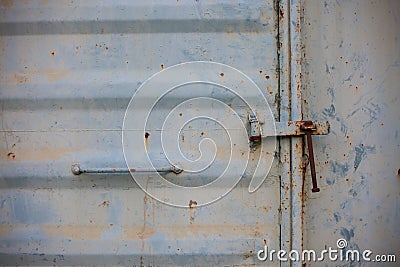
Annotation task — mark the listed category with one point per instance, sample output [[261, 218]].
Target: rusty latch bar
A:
[[77, 170], [309, 127], [295, 128], [290, 128]]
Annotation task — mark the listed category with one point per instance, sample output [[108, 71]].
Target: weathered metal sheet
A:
[[351, 78], [68, 71]]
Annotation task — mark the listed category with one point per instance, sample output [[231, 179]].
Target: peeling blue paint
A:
[[347, 234], [330, 180], [330, 111], [337, 216], [331, 93], [361, 152], [339, 168]]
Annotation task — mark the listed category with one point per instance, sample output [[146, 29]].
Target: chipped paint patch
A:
[[361, 153]]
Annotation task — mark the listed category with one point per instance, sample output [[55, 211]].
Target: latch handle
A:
[[308, 127], [77, 170]]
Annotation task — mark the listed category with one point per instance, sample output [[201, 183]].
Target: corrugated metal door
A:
[[68, 72]]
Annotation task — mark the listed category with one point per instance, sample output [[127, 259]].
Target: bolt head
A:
[[75, 169]]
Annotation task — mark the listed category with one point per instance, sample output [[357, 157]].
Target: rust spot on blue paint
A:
[[11, 155], [192, 204], [105, 203]]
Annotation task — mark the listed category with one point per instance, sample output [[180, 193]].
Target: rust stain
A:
[[75, 231], [45, 2], [297, 27], [52, 53], [79, 232], [20, 78], [11, 155], [234, 230], [281, 14], [146, 136], [144, 232], [42, 154], [265, 208], [27, 77], [6, 3], [398, 172], [53, 76], [224, 153], [192, 204], [222, 74], [105, 203], [162, 66]]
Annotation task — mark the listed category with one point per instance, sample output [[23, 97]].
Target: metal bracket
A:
[[255, 130]]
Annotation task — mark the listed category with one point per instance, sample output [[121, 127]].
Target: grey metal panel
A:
[[68, 70], [351, 72], [291, 149]]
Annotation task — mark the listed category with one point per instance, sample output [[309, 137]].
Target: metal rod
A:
[[312, 163], [77, 170]]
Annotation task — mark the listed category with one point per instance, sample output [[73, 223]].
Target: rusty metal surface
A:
[[291, 156], [351, 76], [68, 71]]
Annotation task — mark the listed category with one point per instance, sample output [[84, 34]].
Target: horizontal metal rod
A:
[[77, 170], [293, 128]]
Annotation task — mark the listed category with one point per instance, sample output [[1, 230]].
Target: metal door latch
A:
[[308, 127], [291, 128], [255, 130]]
